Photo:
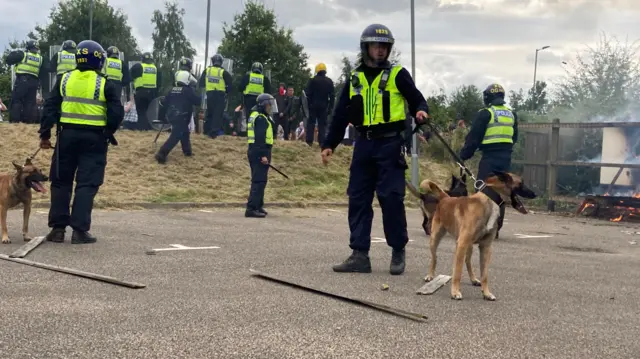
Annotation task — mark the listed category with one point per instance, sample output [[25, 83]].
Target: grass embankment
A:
[[218, 171]]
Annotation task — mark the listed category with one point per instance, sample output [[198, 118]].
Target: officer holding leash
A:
[[260, 137], [87, 111], [178, 108], [493, 132], [373, 101]]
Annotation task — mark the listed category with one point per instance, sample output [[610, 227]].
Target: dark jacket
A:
[[341, 119], [293, 107], [245, 81], [475, 136], [260, 148], [320, 92], [226, 76], [52, 105], [282, 107], [178, 104]]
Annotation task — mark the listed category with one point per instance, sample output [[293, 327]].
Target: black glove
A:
[[110, 138]]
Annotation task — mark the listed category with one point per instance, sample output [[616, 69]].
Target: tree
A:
[[467, 101], [169, 41], [517, 100], [255, 36], [439, 109], [603, 82], [537, 101], [345, 73]]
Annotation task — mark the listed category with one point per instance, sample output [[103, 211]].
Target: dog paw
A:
[[428, 278], [27, 238], [6, 240], [476, 283], [488, 296], [456, 295]]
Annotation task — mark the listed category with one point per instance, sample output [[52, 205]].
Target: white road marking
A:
[[206, 211], [180, 247], [528, 236]]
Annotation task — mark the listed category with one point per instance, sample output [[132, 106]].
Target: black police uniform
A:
[[81, 152], [23, 97], [495, 156], [216, 97], [178, 106], [320, 99], [378, 165]]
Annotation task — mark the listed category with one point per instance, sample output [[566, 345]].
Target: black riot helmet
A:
[[216, 60], [256, 68], [32, 46], [264, 100], [113, 52], [186, 64], [69, 46], [146, 58], [376, 33], [491, 93]]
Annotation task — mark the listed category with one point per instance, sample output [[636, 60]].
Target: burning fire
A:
[[621, 211]]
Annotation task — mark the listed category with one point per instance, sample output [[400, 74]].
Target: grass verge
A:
[[218, 171]]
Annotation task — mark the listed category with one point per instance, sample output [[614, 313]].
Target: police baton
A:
[[277, 170]]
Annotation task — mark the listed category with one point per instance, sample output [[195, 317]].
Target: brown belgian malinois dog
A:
[[16, 189], [471, 220]]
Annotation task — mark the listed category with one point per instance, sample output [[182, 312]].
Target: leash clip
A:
[[479, 185]]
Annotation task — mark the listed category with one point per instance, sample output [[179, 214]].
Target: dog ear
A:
[[17, 166], [504, 177]]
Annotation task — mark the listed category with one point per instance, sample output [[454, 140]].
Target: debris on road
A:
[[384, 287]]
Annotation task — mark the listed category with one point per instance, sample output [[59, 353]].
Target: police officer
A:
[[252, 85], [146, 81], [493, 132], [217, 84], [178, 108], [373, 101], [320, 97], [64, 60], [260, 137], [29, 72], [86, 122], [116, 70]]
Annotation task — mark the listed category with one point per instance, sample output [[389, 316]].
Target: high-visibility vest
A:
[[500, 126], [372, 98], [255, 85], [251, 136], [66, 62], [83, 100], [30, 64], [113, 69], [215, 80], [149, 78]]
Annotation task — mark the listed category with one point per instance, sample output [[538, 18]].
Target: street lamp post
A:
[[91, 20], [414, 140], [535, 69], [206, 45]]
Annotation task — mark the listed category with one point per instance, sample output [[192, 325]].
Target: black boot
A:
[[357, 262], [397, 262], [56, 235], [261, 210], [252, 213], [161, 159], [82, 238]]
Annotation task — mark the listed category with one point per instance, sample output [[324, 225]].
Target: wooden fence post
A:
[[551, 166]]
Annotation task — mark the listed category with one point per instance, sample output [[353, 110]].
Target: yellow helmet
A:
[[321, 67]]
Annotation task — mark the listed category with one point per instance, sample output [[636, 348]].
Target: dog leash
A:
[[477, 184]]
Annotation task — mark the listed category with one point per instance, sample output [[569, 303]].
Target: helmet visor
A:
[[274, 106]]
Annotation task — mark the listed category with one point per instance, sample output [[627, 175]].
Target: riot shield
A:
[[131, 87], [227, 65], [267, 74], [13, 76], [153, 112], [53, 49], [305, 105], [123, 93]]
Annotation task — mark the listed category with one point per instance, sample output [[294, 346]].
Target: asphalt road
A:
[[572, 294]]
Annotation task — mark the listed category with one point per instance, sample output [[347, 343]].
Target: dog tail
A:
[[431, 188], [412, 189]]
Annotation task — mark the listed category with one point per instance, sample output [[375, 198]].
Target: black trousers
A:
[[215, 110], [23, 100], [495, 161], [286, 126], [179, 133], [378, 167], [248, 101], [81, 154], [319, 115], [143, 98], [259, 177]]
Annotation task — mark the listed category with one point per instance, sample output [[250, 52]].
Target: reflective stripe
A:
[[500, 125], [79, 105], [82, 100], [80, 116], [66, 62], [30, 64]]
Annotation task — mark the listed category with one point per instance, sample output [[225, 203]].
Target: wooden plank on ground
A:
[[79, 273], [433, 286], [27, 247]]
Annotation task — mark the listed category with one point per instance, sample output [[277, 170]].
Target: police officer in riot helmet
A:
[[494, 131], [184, 65], [378, 165], [64, 60], [117, 70], [86, 122], [146, 81], [217, 83], [29, 73], [177, 107], [260, 135], [253, 84]]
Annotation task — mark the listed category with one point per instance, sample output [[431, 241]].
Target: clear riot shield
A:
[[227, 65], [305, 106], [131, 63], [13, 76], [267, 74], [123, 93], [53, 49]]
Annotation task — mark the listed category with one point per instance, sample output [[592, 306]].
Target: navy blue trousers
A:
[[259, 177], [494, 161], [179, 133], [378, 167]]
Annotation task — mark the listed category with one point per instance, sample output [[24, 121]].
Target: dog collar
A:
[[493, 195]]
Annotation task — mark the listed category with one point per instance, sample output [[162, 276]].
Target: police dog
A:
[[458, 188], [472, 219], [16, 189]]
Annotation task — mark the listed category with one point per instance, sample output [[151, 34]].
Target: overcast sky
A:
[[457, 41]]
